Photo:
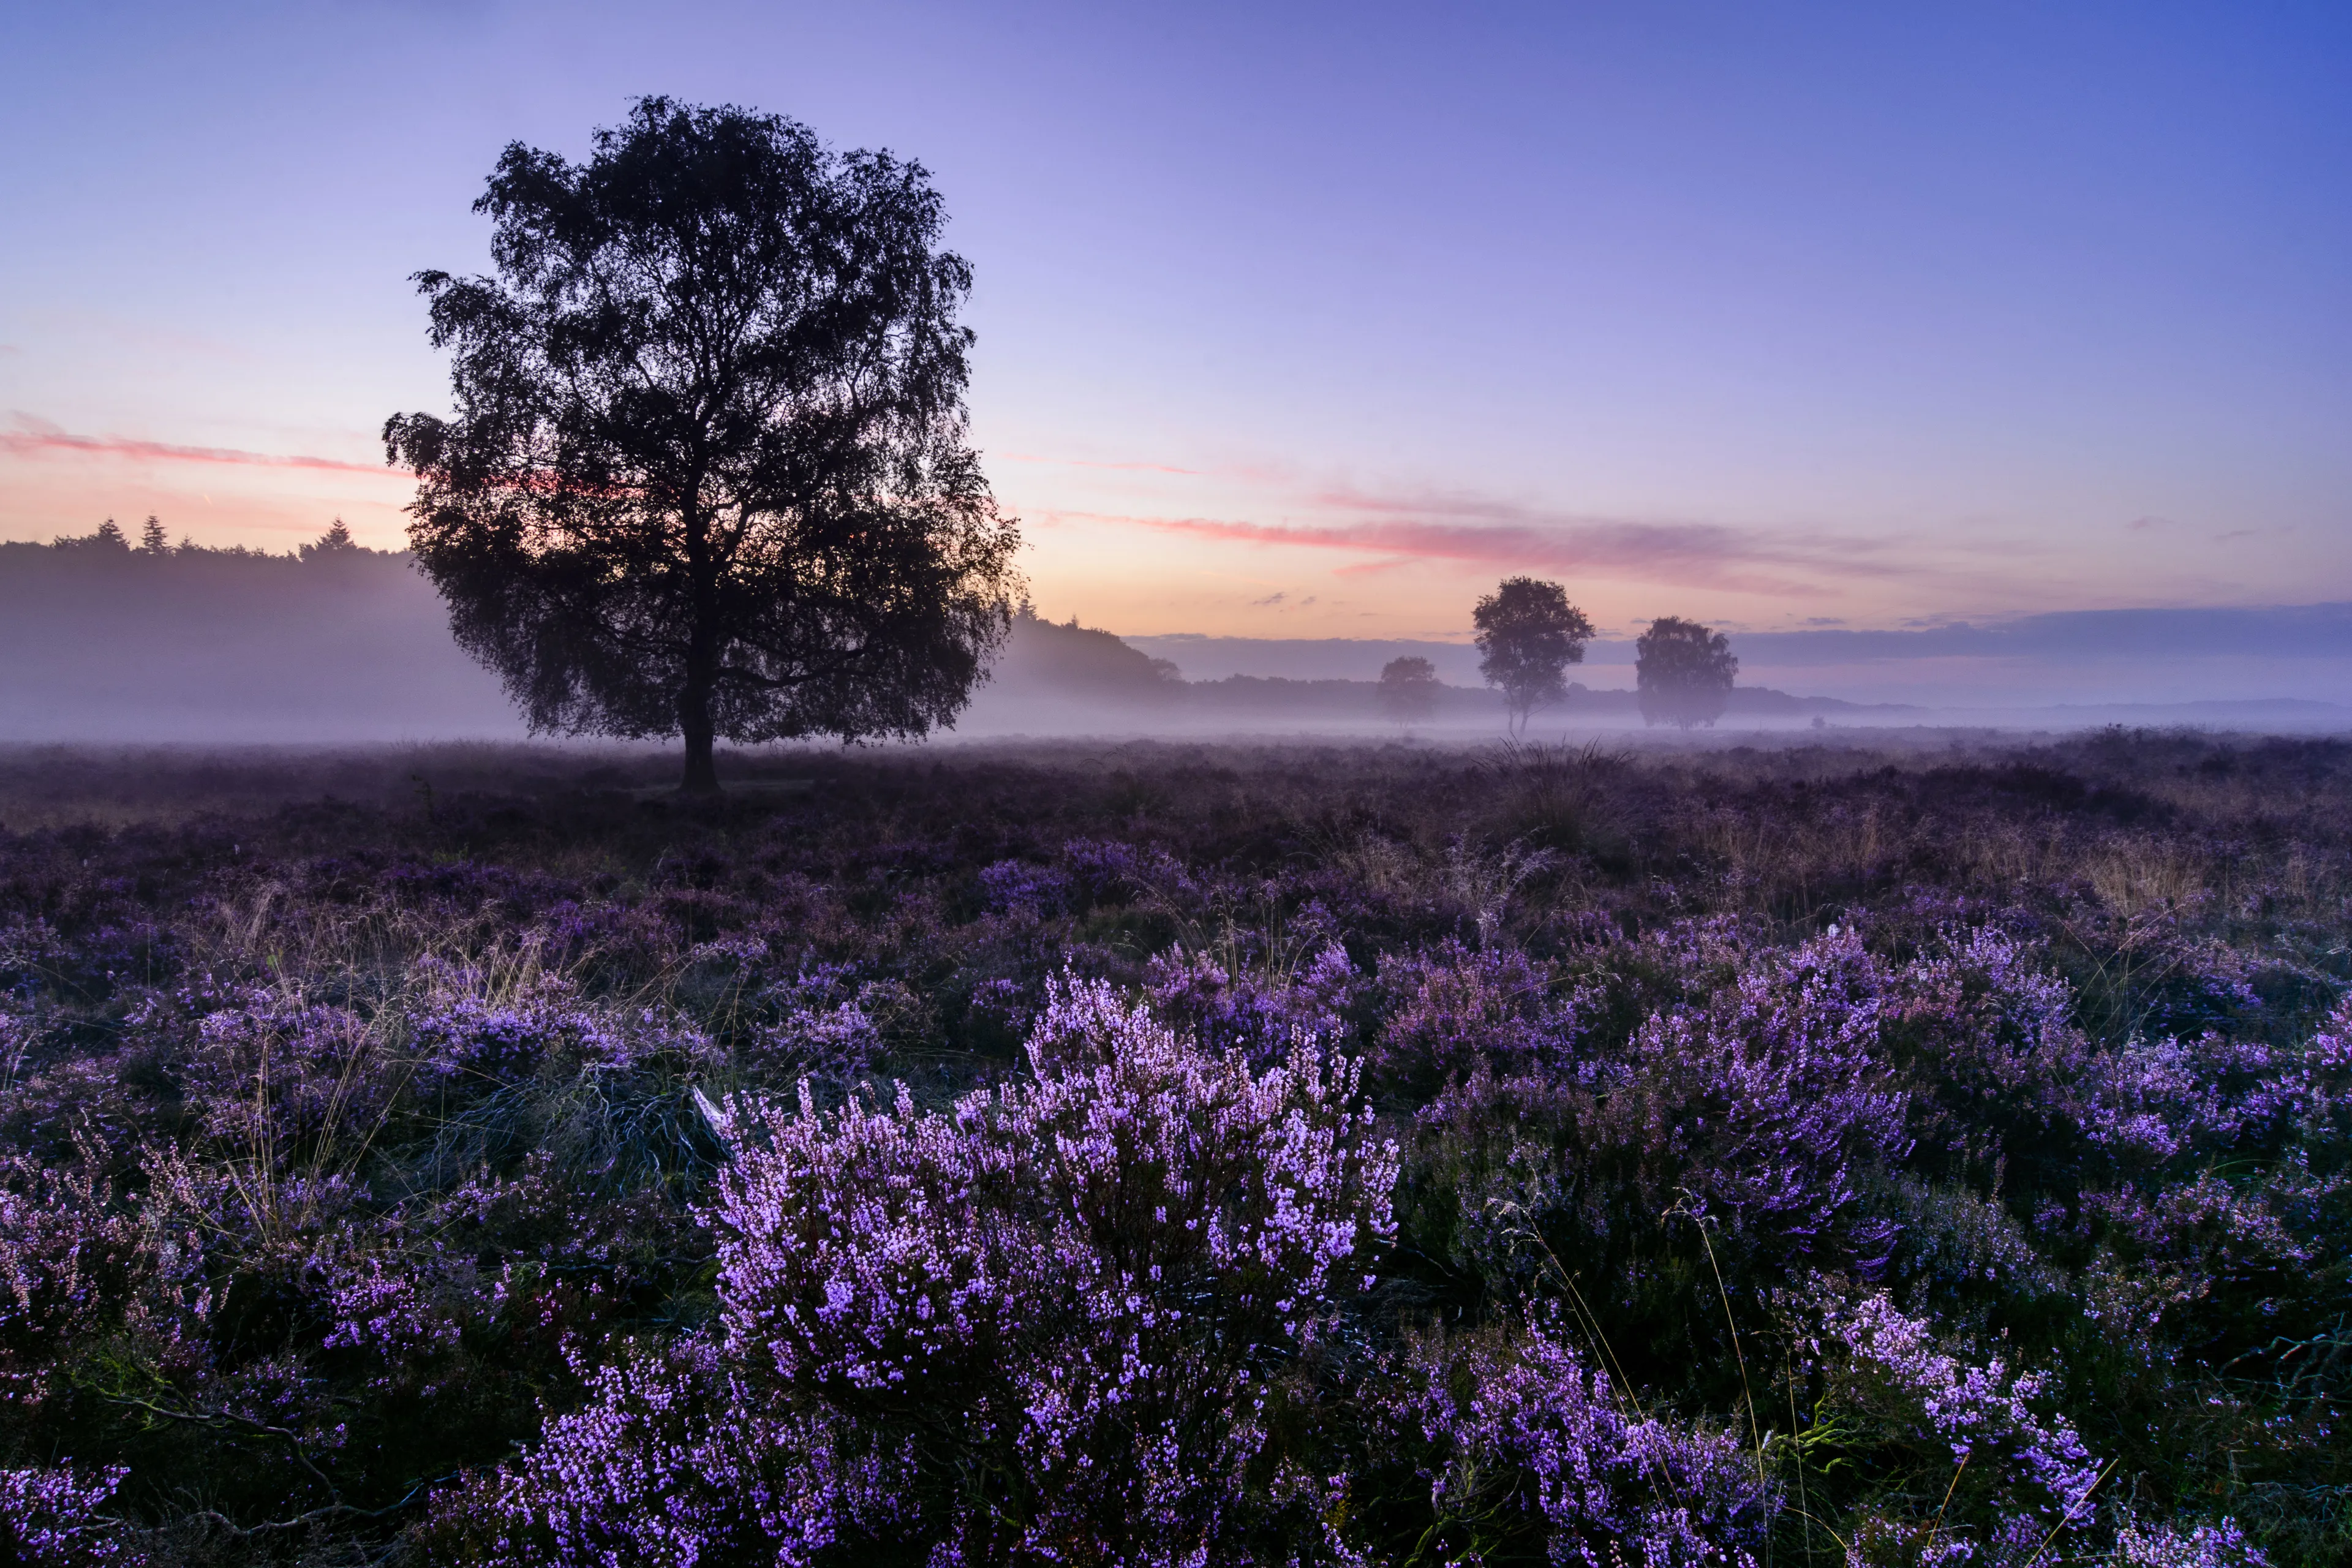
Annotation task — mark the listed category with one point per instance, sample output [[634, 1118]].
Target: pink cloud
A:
[[1693, 553], [1395, 528], [1086, 463], [34, 438]]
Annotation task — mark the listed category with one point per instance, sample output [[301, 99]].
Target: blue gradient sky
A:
[[1313, 320]]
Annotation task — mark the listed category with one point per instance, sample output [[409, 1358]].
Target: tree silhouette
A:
[[106, 539], [335, 544], [1683, 673], [708, 474], [1409, 689], [1529, 634]]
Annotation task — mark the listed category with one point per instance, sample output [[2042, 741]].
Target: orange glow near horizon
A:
[[1147, 547]]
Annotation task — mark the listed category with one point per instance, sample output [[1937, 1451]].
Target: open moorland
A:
[[1161, 1153]]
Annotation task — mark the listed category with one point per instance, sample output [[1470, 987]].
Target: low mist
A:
[[338, 644]]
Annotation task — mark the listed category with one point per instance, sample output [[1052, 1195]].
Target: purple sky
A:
[[1312, 321]]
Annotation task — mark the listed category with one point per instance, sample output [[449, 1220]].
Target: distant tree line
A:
[[108, 541]]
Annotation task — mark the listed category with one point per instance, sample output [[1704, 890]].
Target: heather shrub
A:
[[1010, 888], [1982, 1032], [1897, 1404], [50, 1518], [2162, 1545], [1728, 1146], [69, 1257], [2320, 1086], [1767, 1108], [824, 1021], [1069, 1316], [1452, 1012], [1527, 1452], [1228, 1003], [674, 1459], [1967, 1258]]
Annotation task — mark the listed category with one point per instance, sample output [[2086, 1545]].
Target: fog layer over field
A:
[[101, 642]]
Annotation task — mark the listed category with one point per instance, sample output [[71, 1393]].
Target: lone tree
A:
[[1528, 634], [1683, 673], [1409, 689], [708, 474]]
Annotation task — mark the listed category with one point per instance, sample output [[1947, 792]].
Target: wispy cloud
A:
[[1089, 463], [1388, 531], [34, 436]]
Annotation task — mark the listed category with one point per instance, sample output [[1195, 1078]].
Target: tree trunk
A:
[[694, 714], [702, 662], [702, 771]]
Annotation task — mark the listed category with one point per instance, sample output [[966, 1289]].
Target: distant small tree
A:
[[106, 538], [709, 474], [1529, 634], [335, 544], [1409, 689], [150, 538], [1683, 673]]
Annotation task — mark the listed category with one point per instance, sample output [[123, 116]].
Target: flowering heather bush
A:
[[1453, 1012], [51, 1519], [1227, 1006], [2157, 1100], [1887, 1371], [818, 1020], [1767, 1108], [458, 1034], [2221, 1545], [67, 1256], [673, 1460], [1984, 1035], [1069, 1310], [1011, 888], [1196, 1156], [1104, 871], [2320, 1089], [273, 1070], [1526, 1449], [1737, 1139]]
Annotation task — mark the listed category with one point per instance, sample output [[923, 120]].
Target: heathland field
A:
[[1169, 1154]]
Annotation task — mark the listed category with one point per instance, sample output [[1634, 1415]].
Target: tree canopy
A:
[[1683, 673], [708, 473], [1529, 634], [1409, 689]]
